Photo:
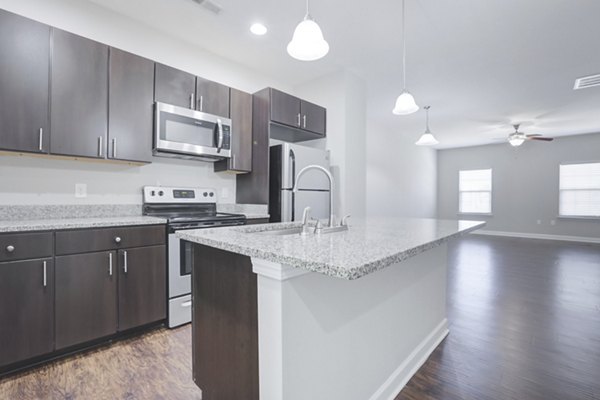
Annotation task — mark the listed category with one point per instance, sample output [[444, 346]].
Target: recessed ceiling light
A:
[[258, 29]]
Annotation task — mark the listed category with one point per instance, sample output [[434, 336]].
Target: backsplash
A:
[[62, 211]]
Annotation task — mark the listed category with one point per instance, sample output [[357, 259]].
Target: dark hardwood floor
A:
[[524, 324]]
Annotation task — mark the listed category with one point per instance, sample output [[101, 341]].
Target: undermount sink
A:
[[281, 232]]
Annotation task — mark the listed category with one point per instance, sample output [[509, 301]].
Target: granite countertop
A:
[[74, 223], [369, 244]]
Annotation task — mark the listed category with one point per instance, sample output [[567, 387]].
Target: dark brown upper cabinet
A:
[[212, 97], [79, 100], [130, 107], [179, 88], [27, 312], [241, 145], [24, 75], [308, 120], [173, 86]]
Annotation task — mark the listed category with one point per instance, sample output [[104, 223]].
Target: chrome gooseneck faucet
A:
[[331, 185]]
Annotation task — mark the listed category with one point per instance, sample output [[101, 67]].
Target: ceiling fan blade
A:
[[545, 139], [533, 135]]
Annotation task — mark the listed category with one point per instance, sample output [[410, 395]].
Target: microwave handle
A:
[[220, 140]]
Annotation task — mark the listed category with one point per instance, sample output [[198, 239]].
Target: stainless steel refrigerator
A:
[[286, 160]]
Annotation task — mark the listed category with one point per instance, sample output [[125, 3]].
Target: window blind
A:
[[580, 190], [475, 191]]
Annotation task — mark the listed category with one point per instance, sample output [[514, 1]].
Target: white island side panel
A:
[[321, 337]]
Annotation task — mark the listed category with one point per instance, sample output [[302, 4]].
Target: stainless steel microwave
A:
[[184, 133]]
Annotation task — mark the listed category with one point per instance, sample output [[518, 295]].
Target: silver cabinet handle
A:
[[100, 146], [45, 273], [201, 102], [233, 161], [304, 121], [220, 142], [10, 248], [192, 101], [41, 139], [298, 119], [125, 261], [110, 264], [114, 147], [117, 239]]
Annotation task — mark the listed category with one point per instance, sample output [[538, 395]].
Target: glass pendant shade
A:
[[405, 104], [308, 43], [427, 139]]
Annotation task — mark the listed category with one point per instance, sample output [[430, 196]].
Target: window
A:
[[580, 190], [475, 191]]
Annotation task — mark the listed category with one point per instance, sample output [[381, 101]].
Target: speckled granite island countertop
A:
[[76, 223], [369, 245]]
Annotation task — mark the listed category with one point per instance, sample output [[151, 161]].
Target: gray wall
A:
[[524, 181]]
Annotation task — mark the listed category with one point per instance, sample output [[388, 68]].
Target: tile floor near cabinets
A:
[[524, 324]]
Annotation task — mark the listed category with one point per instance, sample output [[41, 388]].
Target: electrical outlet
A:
[[80, 190], [224, 193], [539, 221]]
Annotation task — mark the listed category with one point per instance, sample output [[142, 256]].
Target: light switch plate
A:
[[80, 190]]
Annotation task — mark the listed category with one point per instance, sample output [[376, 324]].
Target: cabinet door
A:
[[142, 286], [131, 106], [27, 311], [241, 144], [313, 117], [173, 86], [212, 97], [24, 59], [285, 108], [86, 297], [79, 101]]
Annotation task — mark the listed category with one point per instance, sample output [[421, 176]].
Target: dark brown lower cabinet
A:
[[142, 286], [86, 297], [26, 309]]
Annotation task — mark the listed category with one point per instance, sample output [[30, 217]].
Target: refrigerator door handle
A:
[[292, 157]]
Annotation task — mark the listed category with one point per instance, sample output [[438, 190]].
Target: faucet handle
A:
[[345, 220], [318, 227]]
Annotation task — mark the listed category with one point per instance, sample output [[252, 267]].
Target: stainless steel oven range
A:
[[184, 208]]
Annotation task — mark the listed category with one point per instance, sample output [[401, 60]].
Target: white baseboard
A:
[[582, 239], [400, 377]]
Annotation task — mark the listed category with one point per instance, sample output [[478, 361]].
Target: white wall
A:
[[343, 94], [401, 177], [525, 182], [22, 179]]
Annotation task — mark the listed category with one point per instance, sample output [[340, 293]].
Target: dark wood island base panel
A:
[[225, 356]]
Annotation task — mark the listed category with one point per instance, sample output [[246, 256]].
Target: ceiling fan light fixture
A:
[[308, 43], [516, 140], [405, 104], [427, 138]]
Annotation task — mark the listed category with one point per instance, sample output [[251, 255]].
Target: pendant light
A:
[[427, 139], [308, 43], [405, 103]]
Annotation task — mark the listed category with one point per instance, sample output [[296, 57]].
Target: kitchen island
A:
[[346, 315]]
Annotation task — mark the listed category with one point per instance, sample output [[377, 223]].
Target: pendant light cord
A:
[[403, 46], [307, 13], [427, 118]]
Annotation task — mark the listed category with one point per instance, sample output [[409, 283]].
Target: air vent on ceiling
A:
[[587, 82], [209, 5]]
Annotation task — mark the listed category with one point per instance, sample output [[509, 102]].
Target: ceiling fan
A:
[[518, 138]]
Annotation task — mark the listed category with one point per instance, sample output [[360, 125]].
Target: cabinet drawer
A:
[[25, 245], [90, 240]]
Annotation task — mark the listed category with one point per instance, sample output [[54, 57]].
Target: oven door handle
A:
[[220, 139]]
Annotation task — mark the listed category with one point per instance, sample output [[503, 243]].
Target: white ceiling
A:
[[481, 65]]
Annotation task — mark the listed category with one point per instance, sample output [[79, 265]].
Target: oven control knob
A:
[[10, 248], [117, 239], [161, 193], [212, 194], [205, 194], [153, 193]]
